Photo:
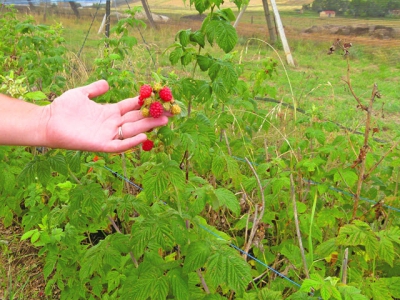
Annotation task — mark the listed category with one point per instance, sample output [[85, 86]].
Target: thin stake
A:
[[296, 221]]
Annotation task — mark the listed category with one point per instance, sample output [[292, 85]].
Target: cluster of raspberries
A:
[[154, 100], [157, 99]]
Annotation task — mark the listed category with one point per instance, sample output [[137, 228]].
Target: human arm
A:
[[73, 121]]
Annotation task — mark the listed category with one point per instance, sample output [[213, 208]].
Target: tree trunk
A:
[[74, 8], [148, 13]]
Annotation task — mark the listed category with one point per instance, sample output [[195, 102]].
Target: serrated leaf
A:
[[226, 266], [223, 33], [204, 62], [43, 171], [201, 5], [176, 55], [74, 160], [187, 58], [88, 199], [58, 164], [28, 174], [162, 176], [35, 96], [92, 261], [196, 256], [279, 183], [183, 36], [51, 260], [228, 199], [386, 249], [179, 284], [351, 293], [359, 233], [203, 91], [310, 284], [198, 37], [111, 256], [28, 234], [326, 248], [349, 176]]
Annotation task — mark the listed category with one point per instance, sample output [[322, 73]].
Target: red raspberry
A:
[[141, 101], [156, 109], [145, 91], [165, 94], [147, 145]]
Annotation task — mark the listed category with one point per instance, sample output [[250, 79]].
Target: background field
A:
[[315, 84]]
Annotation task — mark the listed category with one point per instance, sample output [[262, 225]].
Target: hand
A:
[[75, 122]]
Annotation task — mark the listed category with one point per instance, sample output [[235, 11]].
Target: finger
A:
[[132, 116], [116, 146], [143, 125], [128, 105], [95, 89]]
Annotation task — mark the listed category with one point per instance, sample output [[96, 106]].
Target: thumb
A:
[[95, 89]]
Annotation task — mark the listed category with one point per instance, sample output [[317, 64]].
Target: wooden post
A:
[[108, 10], [270, 24], [282, 35], [239, 16], [148, 13]]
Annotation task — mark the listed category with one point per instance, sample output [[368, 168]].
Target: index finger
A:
[[128, 105]]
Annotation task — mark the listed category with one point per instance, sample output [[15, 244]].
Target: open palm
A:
[[76, 122]]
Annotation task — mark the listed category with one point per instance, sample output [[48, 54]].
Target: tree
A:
[[339, 6]]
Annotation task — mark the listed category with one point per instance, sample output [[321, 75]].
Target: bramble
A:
[[156, 99]]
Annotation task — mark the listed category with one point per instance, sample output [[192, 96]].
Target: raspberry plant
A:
[[214, 181]]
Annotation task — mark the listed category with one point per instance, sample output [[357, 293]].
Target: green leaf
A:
[[226, 266], [227, 14], [386, 249], [204, 62], [35, 96], [349, 176], [28, 234], [175, 55], [223, 33], [393, 285], [228, 199], [51, 261], [351, 293], [74, 160], [187, 58], [204, 91], [326, 248], [28, 174], [92, 261], [165, 175], [183, 36], [309, 284], [357, 234], [59, 164], [43, 171], [88, 199], [196, 256], [179, 284], [198, 37], [201, 5]]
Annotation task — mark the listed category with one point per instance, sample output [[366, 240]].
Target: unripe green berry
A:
[[145, 111]]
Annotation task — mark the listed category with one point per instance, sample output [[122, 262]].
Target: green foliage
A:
[[220, 175], [32, 56]]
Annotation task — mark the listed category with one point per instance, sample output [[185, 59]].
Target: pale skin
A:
[[73, 121]]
